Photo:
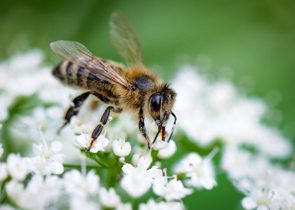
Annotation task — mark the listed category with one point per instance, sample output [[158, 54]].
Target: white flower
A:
[[167, 150], [77, 126], [3, 172], [199, 171], [259, 199], [47, 191], [44, 119], [170, 190], [6, 207], [17, 167], [138, 180], [83, 141], [78, 203], [282, 199], [266, 186], [152, 205], [142, 159], [48, 160], [121, 148], [236, 162], [78, 185], [1, 147], [14, 190], [219, 112], [109, 198], [124, 206], [31, 77], [27, 61]]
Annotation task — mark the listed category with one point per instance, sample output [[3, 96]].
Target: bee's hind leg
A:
[[74, 109], [103, 120]]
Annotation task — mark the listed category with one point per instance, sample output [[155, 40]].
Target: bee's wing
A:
[[78, 53], [124, 38]]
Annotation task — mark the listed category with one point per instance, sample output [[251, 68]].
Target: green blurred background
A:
[[250, 42]]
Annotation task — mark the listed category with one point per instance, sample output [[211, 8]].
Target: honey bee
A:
[[132, 88]]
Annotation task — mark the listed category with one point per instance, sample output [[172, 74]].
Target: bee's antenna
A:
[[172, 131]]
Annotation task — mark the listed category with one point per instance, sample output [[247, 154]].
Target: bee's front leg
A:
[[142, 128], [74, 108]]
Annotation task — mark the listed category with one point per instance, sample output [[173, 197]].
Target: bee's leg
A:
[[103, 120], [141, 127], [102, 98], [74, 108]]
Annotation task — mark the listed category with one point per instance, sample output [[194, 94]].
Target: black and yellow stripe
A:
[[75, 75], [72, 74]]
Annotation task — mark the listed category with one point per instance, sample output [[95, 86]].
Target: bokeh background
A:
[[250, 42]]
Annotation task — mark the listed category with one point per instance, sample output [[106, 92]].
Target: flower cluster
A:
[[220, 113], [265, 185], [81, 189], [120, 172]]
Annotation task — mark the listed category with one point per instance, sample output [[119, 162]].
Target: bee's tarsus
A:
[[74, 109], [172, 130], [150, 146], [90, 144], [61, 127]]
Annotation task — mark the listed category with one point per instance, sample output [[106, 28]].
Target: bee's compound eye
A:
[[155, 103]]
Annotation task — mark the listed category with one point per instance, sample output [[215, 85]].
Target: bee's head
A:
[[160, 107]]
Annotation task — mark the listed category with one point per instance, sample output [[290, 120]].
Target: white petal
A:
[[124, 206], [173, 190], [99, 144], [3, 172], [17, 167], [1, 147], [109, 198], [136, 184], [128, 168], [82, 141], [248, 203], [167, 151], [56, 168], [121, 148], [143, 160], [56, 146]]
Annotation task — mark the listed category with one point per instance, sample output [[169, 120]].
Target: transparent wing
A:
[[124, 38], [78, 53]]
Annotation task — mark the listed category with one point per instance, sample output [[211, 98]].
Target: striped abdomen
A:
[[75, 75]]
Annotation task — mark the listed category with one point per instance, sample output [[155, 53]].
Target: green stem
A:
[[73, 166], [112, 176]]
